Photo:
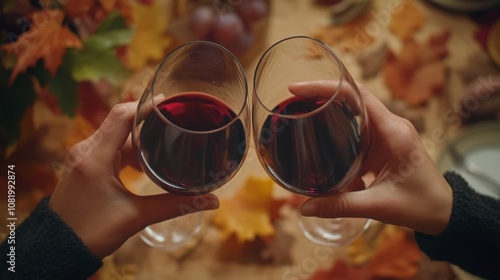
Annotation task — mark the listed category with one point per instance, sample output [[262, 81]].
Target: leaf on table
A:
[[349, 37], [397, 256], [45, 40], [247, 214], [410, 19], [341, 270], [233, 250], [278, 248], [150, 39], [418, 71]]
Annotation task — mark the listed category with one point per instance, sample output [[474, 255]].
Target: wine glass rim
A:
[[237, 64], [318, 109]]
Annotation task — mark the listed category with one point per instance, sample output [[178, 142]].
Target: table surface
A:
[[298, 17]]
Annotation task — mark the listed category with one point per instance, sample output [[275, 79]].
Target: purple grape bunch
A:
[[230, 26]]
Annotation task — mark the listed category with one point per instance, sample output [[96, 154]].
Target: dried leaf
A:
[[278, 249], [150, 39], [341, 270], [397, 256], [47, 40], [407, 21], [247, 213], [349, 37], [418, 72], [77, 8]]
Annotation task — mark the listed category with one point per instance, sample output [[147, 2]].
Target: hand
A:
[[91, 199], [408, 189]]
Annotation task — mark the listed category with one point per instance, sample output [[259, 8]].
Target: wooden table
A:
[[298, 17]]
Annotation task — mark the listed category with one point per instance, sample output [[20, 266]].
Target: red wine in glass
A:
[[192, 143], [312, 153]]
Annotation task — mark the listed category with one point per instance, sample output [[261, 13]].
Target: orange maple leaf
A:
[[407, 21], [47, 39], [247, 214], [397, 256], [418, 71]]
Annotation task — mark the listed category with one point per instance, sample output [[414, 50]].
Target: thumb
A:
[[344, 204], [157, 208]]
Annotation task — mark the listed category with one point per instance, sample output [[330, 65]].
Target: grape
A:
[[201, 21], [228, 27], [244, 43], [252, 10]]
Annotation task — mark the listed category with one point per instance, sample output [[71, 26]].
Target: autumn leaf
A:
[[47, 40], [349, 37], [247, 214], [278, 247], [341, 270], [150, 39], [418, 71], [397, 256], [98, 59], [404, 23], [75, 8]]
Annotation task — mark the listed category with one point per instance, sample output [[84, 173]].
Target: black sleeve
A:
[[46, 248], [472, 238]]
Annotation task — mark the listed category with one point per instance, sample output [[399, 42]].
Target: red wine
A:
[[311, 155], [185, 149]]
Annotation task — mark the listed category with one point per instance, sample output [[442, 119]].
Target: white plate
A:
[[480, 145]]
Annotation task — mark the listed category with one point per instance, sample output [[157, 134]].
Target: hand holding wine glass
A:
[[91, 199], [312, 145], [191, 128], [408, 189]]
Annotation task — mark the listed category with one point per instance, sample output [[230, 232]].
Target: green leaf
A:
[[64, 86], [97, 60], [114, 21], [95, 65]]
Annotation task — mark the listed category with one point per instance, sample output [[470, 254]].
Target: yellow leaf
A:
[[150, 38], [247, 213]]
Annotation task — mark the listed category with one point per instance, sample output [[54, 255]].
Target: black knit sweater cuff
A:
[[46, 248], [472, 238]]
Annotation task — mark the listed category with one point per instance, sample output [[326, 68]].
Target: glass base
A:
[[332, 232], [175, 233]]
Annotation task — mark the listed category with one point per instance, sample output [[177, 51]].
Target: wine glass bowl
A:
[[192, 122], [310, 125]]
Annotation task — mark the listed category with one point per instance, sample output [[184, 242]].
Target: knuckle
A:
[[342, 206]]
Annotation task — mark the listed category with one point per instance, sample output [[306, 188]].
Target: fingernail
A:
[[309, 209], [213, 203]]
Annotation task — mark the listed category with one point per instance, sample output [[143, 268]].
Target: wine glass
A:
[[191, 129], [311, 142]]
